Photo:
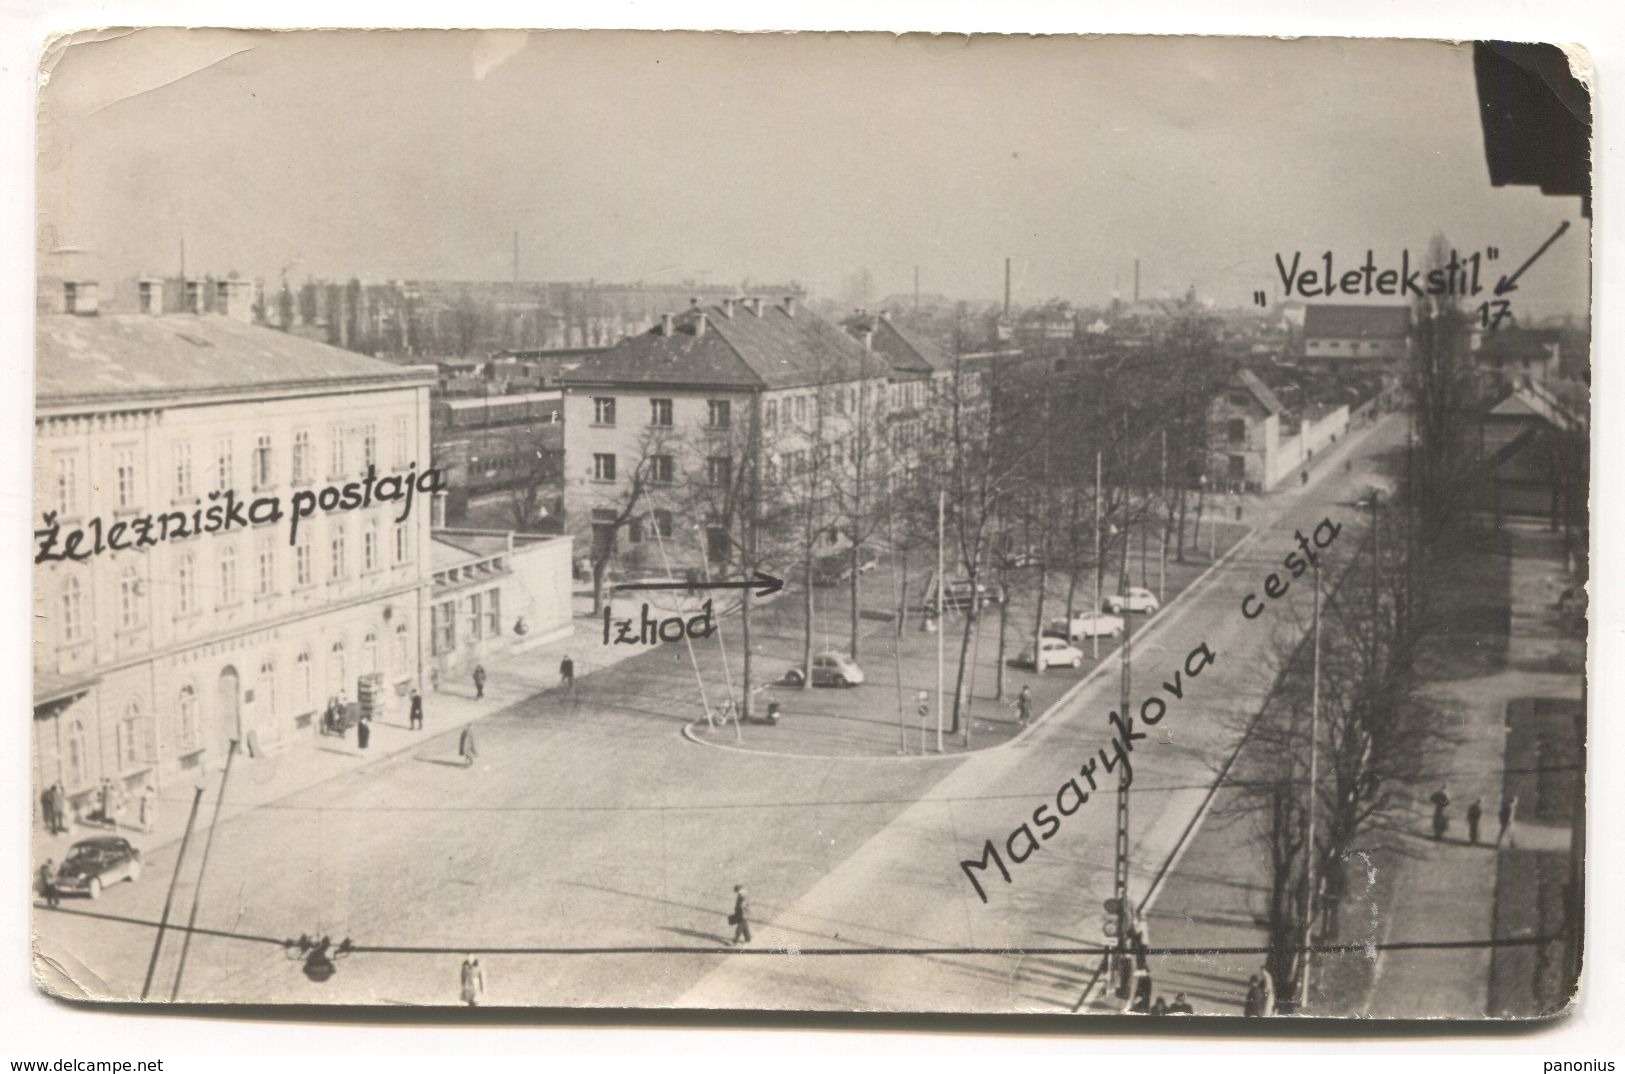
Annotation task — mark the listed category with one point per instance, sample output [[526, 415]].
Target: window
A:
[[369, 653], [73, 611], [400, 542], [493, 613], [403, 650], [369, 447], [78, 754], [336, 673], [719, 470], [265, 694], [228, 576], [303, 687], [186, 585], [262, 461], [801, 408], [634, 530], [603, 467], [301, 457], [663, 522], [129, 735], [302, 572], [335, 451], [186, 709], [265, 566], [129, 598], [124, 476], [335, 560], [1237, 430], [222, 463], [183, 470], [661, 469], [770, 413], [67, 485], [717, 413], [471, 617], [716, 544], [369, 547], [400, 442], [444, 625], [603, 410], [659, 412]]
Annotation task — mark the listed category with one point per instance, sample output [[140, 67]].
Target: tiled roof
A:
[[126, 356], [772, 350], [1357, 322]]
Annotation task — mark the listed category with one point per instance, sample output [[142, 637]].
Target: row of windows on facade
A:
[[482, 619], [136, 731], [785, 466], [185, 579], [127, 491], [719, 412]]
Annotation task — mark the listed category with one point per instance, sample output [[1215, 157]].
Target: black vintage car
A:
[[94, 863]]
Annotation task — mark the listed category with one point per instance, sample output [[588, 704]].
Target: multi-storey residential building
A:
[[150, 659], [663, 430]]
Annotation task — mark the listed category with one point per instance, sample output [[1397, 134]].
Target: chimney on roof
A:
[[699, 325], [728, 308], [665, 324], [152, 296], [194, 296], [868, 337], [235, 298], [79, 297], [754, 305], [789, 305]]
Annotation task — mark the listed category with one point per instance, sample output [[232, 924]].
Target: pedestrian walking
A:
[[47, 883], [1159, 1006], [1024, 706], [59, 808], [1253, 1005], [567, 672], [1305, 477], [1180, 1005], [416, 721], [465, 745], [363, 733], [740, 918], [1474, 813], [149, 808], [473, 981], [479, 681], [1441, 820], [47, 805], [1509, 813]]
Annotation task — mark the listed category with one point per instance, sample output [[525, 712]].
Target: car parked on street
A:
[[829, 669], [1138, 600], [94, 863], [1097, 625], [1053, 652], [837, 567]]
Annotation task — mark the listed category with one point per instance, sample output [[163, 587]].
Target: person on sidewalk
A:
[[567, 672], [1180, 1005], [1474, 813], [149, 808], [59, 810], [363, 733], [473, 981], [1159, 1006], [479, 681], [1253, 1005], [1509, 813], [47, 883], [1024, 706], [740, 918], [465, 745], [1441, 820], [416, 720], [1266, 988]]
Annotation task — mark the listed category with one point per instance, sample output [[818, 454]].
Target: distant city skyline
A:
[[714, 158]]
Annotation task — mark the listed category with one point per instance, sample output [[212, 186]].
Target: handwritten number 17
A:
[[1491, 314]]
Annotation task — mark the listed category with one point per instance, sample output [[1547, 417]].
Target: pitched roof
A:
[[1260, 391], [1518, 344], [1357, 322], [1533, 401], [744, 350], [907, 351], [128, 356]]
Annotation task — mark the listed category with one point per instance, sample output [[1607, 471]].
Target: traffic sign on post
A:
[[1114, 905], [1109, 927]]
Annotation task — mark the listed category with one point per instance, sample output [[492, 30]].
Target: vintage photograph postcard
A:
[[812, 522]]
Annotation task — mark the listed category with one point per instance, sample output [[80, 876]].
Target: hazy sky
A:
[[626, 156]]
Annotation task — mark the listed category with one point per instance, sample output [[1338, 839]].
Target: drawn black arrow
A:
[[1510, 283], [767, 582]]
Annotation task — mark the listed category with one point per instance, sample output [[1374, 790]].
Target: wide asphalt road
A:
[[599, 826]]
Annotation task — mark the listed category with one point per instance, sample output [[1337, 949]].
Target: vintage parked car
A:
[[837, 566], [829, 669], [1098, 625], [94, 863], [1138, 600], [1054, 652]]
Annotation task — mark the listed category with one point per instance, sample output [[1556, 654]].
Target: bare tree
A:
[[608, 508]]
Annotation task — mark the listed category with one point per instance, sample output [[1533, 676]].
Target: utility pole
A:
[[1095, 631], [942, 505], [169, 899], [1314, 779], [916, 289], [203, 865], [1121, 849], [516, 257], [1162, 555]]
